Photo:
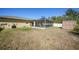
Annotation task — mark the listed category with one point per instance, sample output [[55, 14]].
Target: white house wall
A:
[[18, 25], [22, 24]]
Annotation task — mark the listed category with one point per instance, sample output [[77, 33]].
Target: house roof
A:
[[19, 19], [14, 19]]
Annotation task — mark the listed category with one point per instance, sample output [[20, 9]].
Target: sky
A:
[[33, 13]]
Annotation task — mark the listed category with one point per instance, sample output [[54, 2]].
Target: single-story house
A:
[[9, 22]]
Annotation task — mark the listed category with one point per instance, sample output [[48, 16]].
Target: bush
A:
[[1, 29], [14, 26], [76, 29], [25, 28]]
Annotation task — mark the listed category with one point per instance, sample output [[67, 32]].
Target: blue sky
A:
[[33, 12]]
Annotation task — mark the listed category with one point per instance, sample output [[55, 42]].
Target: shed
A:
[[69, 24]]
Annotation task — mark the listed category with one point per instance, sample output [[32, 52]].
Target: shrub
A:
[[76, 29], [14, 26], [1, 29]]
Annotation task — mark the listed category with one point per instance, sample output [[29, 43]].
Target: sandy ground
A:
[[46, 39]]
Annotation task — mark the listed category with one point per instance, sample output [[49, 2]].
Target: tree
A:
[[57, 19], [71, 14]]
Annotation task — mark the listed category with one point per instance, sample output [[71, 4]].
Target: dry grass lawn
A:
[[47, 39]]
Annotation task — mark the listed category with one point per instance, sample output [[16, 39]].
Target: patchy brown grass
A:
[[47, 39]]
